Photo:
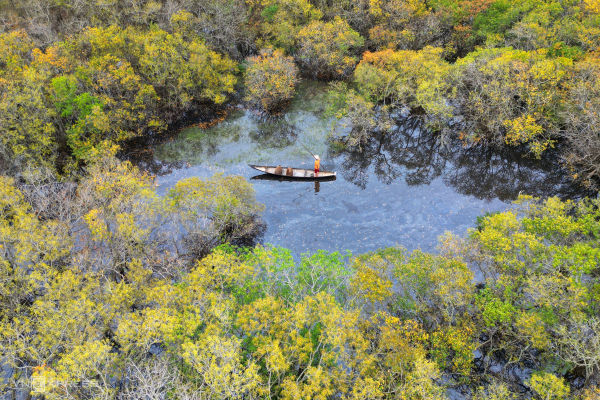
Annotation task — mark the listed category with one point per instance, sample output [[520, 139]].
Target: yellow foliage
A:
[[593, 6], [217, 360], [240, 323], [280, 20], [97, 227], [549, 387], [532, 326], [318, 385], [326, 49], [371, 280], [271, 79], [412, 78], [518, 97]]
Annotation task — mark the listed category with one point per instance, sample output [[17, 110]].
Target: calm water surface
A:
[[402, 189]]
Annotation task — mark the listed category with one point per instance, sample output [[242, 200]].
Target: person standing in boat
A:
[[317, 165]]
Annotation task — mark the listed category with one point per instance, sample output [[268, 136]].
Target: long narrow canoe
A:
[[297, 173], [283, 178]]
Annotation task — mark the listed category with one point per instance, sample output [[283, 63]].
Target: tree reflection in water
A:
[[403, 152], [416, 154], [274, 132], [409, 152]]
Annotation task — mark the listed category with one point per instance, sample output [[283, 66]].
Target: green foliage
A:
[[323, 272], [536, 262], [80, 110], [497, 18], [531, 25], [119, 291], [494, 311], [108, 84], [91, 302], [268, 13]]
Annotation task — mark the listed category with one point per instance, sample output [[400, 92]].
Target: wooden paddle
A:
[[306, 148]]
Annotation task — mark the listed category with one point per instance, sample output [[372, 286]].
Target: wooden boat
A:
[[297, 173], [283, 178]]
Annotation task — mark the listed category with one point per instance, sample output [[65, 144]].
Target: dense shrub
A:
[[548, 386], [530, 25], [403, 24], [260, 323], [327, 50], [107, 84], [355, 12], [271, 79], [279, 21], [109, 290], [581, 113], [502, 96], [537, 263], [388, 80], [361, 116], [511, 97], [223, 24], [28, 135], [416, 79]]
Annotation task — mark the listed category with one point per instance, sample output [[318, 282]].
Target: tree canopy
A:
[[110, 289]]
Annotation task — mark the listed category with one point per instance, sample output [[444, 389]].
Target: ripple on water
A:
[[401, 189]]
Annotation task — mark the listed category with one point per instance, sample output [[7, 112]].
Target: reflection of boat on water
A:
[[270, 173], [269, 177]]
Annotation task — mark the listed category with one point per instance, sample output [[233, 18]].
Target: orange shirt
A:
[[317, 164]]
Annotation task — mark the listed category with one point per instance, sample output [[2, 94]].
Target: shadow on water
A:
[[404, 188], [274, 132], [416, 155]]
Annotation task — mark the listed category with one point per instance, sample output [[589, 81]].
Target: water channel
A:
[[403, 188]]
